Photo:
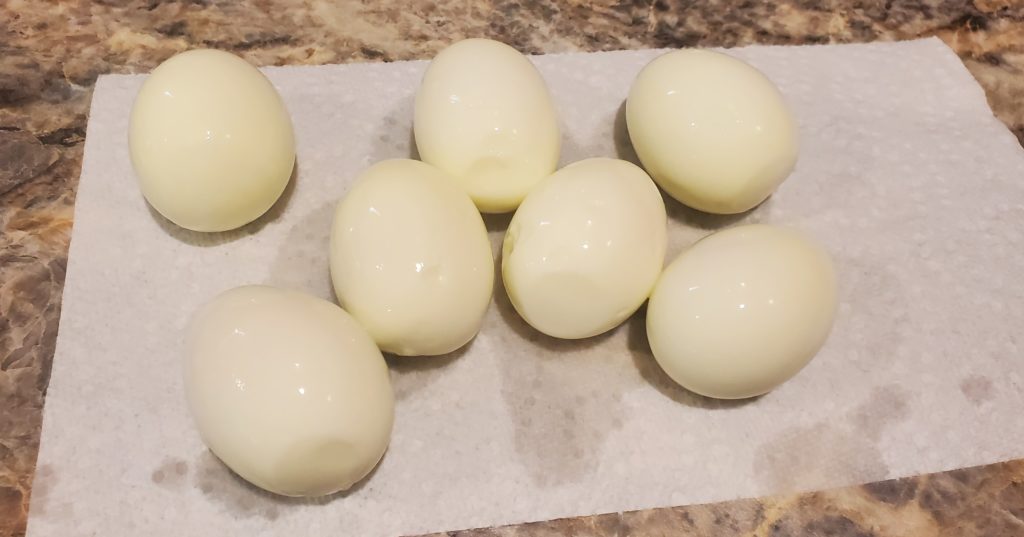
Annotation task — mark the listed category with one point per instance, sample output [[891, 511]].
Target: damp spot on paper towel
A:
[[218, 482], [41, 502], [42, 483], [885, 406], [822, 455], [977, 389], [879, 326], [818, 456], [207, 239], [241, 498], [395, 138], [563, 402], [302, 262], [171, 473]]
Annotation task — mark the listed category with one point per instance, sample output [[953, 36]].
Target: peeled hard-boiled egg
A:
[[288, 390], [410, 259], [210, 140], [585, 248], [713, 131], [484, 116], [742, 311]]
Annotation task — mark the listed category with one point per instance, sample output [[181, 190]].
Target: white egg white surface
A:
[[742, 310], [712, 130], [288, 390], [210, 140], [484, 115], [584, 249], [410, 258]]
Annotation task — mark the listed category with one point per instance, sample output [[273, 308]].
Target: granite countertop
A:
[[51, 54]]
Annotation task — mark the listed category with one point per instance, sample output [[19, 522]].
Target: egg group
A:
[[742, 310], [713, 131], [292, 392], [287, 390], [210, 140]]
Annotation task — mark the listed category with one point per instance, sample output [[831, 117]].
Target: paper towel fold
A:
[[904, 175]]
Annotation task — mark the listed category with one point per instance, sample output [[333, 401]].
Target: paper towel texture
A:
[[904, 175]]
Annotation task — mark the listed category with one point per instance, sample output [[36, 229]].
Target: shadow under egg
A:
[[216, 238], [649, 369]]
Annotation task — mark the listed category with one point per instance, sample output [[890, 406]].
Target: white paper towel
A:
[[904, 175]]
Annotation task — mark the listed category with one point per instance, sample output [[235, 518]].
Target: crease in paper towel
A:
[[904, 175]]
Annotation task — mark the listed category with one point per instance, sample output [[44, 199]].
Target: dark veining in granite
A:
[[984, 500], [52, 52]]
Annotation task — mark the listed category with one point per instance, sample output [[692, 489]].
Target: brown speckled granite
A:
[[51, 53], [984, 500]]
